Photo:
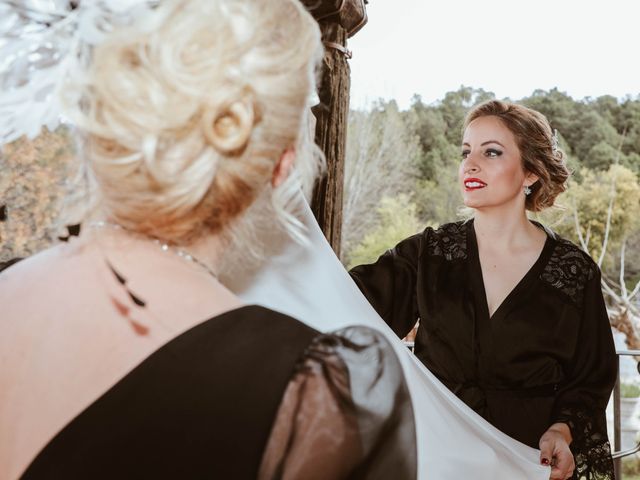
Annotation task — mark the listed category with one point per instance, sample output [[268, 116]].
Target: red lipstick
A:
[[473, 184]]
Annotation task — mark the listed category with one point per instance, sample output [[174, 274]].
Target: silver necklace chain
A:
[[165, 247]]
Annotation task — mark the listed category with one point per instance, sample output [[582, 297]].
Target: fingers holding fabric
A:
[[555, 452]]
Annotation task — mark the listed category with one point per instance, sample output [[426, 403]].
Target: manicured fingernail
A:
[[544, 461]]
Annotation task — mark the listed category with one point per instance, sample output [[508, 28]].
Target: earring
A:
[[527, 190]]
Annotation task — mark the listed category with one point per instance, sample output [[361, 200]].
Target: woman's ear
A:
[[283, 167], [530, 179]]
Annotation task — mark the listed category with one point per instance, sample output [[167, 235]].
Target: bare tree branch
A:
[[623, 286], [583, 243], [379, 162], [607, 229], [614, 296], [635, 291], [624, 316]]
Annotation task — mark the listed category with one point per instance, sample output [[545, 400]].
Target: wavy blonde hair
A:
[[183, 121]]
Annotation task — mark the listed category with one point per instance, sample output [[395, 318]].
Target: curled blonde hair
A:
[[538, 150], [184, 120]]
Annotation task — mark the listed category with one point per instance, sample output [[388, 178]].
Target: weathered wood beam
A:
[[331, 128]]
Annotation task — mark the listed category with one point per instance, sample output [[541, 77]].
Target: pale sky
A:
[[509, 47]]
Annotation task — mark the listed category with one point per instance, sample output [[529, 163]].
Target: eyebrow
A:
[[485, 143]]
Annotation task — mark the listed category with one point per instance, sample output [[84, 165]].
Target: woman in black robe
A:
[[512, 318]]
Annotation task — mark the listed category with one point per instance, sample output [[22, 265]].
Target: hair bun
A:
[[185, 114], [229, 129]]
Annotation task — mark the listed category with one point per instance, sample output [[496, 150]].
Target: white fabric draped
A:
[[310, 284]]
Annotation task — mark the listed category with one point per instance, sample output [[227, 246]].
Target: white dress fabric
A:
[[310, 284]]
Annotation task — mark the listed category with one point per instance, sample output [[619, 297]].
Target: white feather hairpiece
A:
[[39, 42]]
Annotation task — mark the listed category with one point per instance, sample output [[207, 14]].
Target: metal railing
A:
[[618, 454]]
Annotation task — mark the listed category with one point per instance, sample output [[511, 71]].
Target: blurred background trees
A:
[[32, 184], [382, 160], [412, 158], [402, 166], [400, 176]]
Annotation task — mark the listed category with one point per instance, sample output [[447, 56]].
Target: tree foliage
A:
[[407, 160], [32, 185], [600, 136], [586, 204], [381, 162], [397, 220]]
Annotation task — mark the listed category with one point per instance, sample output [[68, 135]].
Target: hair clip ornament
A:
[[554, 141]]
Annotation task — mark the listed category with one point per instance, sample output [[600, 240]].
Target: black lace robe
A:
[[545, 356]]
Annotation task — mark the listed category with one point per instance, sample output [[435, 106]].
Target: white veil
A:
[[310, 284]]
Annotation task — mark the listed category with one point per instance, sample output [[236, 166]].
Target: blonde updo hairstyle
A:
[[184, 119], [534, 138]]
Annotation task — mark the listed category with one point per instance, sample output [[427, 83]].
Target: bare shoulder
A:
[[35, 265], [23, 283]]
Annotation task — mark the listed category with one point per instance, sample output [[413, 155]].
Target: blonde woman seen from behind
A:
[[123, 355]]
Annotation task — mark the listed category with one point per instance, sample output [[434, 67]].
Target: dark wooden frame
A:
[[332, 115]]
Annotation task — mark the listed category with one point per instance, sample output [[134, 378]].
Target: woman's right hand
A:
[[555, 451]]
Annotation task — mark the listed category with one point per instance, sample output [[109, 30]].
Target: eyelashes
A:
[[489, 152]]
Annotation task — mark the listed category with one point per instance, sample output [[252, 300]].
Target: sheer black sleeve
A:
[[590, 377], [346, 414], [390, 283]]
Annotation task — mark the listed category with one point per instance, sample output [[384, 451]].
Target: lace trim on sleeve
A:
[[590, 445]]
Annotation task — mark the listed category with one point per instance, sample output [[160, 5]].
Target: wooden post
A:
[[331, 129]]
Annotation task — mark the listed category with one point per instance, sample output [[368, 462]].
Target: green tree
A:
[[601, 156], [32, 187], [589, 201], [455, 105], [590, 129], [429, 127], [559, 108], [397, 221], [381, 159], [439, 200], [628, 122]]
